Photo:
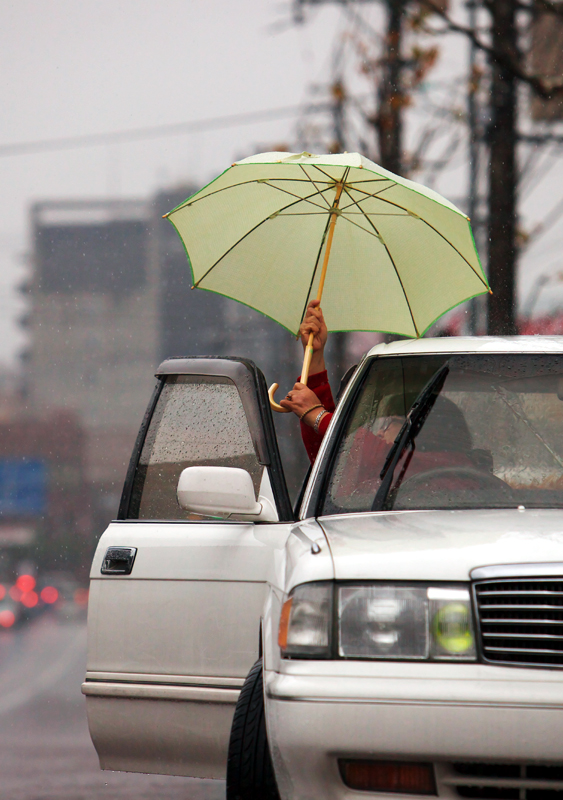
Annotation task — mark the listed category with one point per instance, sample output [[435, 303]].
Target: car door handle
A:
[[118, 560]]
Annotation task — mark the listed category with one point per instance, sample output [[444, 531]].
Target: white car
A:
[[399, 633]]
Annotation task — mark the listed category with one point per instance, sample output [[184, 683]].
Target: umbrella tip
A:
[[490, 291], [164, 216]]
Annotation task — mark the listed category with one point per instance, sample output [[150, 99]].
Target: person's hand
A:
[[299, 399], [314, 323]]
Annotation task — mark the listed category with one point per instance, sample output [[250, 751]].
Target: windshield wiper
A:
[[409, 431]]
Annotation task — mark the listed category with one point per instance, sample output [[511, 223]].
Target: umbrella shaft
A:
[[333, 216], [309, 349]]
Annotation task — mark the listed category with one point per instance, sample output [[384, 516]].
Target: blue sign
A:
[[23, 487]]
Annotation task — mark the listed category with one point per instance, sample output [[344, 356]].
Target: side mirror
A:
[[215, 491]]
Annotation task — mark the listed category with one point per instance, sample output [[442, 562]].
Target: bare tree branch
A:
[[543, 87]]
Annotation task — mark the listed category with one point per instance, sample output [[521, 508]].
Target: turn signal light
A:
[[388, 776], [284, 623]]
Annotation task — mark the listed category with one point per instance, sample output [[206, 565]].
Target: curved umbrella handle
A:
[[276, 406]]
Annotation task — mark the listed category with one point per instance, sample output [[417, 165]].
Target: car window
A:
[[493, 438], [198, 421]]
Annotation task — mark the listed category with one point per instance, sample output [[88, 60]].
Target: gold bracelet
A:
[[304, 414]]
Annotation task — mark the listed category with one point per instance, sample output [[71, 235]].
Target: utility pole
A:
[[338, 97], [388, 120], [474, 151], [502, 138], [338, 341], [388, 117]]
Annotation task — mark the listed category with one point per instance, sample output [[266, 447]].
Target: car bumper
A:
[[406, 712]]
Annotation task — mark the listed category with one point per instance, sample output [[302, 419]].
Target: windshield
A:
[[493, 437]]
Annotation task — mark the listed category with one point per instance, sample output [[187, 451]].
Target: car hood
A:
[[440, 545]]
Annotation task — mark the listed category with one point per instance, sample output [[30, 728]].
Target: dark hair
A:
[[445, 429]]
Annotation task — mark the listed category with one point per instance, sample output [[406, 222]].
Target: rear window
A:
[[198, 421], [493, 438]]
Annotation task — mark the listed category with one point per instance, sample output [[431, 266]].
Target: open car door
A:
[[176, 598]]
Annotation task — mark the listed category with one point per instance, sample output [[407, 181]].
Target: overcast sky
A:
[[70, 68]]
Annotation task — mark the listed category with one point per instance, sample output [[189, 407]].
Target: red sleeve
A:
[[318, 384]]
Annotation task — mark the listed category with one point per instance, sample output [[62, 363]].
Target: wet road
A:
[[45, 748]]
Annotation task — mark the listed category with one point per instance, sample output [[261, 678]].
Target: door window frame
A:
[[252, 390]]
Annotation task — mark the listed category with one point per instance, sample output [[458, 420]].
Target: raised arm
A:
[[313, 404]]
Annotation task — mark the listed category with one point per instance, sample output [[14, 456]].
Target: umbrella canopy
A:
[[401, 255]]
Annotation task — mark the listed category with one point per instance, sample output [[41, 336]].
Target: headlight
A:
[[378, 621], [382, 622], [405, 622], [305, 622]]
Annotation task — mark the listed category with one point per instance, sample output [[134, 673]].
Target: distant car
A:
[[401, 632], [11, 612], [19, 602], [61, 591]]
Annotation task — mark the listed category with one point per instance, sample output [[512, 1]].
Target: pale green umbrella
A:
[[262, 233]]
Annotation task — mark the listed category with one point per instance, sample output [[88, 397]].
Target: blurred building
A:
[[45, 501], [10, 393], [93, 327], [110, 297]]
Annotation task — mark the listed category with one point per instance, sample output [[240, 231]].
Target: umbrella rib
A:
[[391, 260], [316, 267], [330, 183], [190, 202], [373, 180], [320, 251], [232, 247], [304, 199], [313, 182], [372, 213], [377, 194], [369, 195], [415, 216], [293, 180], [456, 250], [371, 233], [315, 166]]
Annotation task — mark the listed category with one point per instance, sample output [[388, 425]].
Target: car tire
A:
[[250, 774]]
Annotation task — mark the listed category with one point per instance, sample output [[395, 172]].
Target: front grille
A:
[[521, 620], [503, 781]]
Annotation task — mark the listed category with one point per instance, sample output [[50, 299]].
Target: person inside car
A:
[[443, 442]]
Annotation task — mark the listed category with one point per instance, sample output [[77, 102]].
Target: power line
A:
[[541, 138], [156, 131]]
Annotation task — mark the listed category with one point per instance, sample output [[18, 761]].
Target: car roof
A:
[[471, 344]]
